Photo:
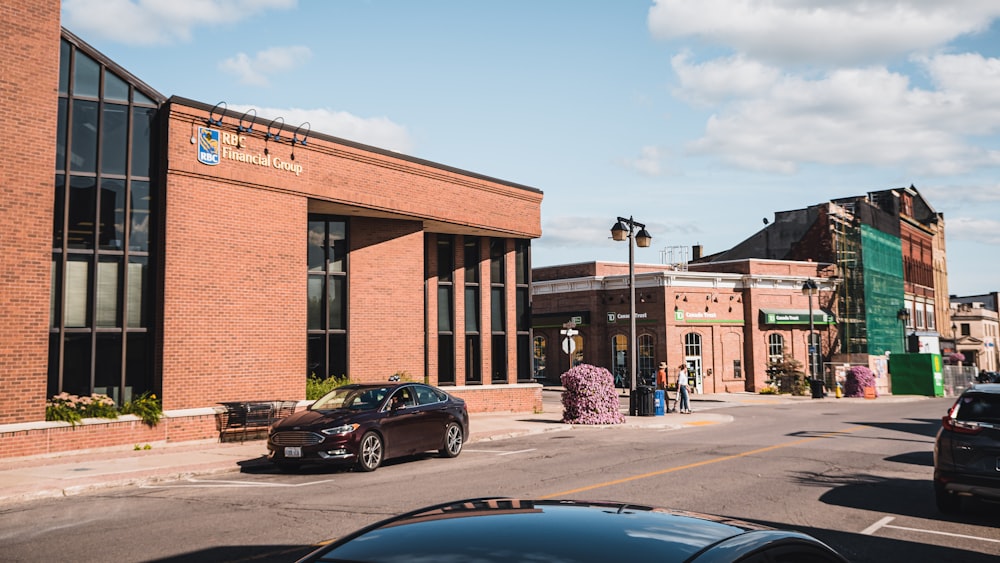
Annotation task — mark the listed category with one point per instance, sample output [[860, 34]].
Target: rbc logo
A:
[[208, 146]]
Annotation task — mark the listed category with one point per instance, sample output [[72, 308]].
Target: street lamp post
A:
[[809, 288], [622, 229]]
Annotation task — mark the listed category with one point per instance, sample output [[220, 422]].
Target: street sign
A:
[[569, 345]]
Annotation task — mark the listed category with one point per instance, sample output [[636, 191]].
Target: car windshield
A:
[[351, 398], [979, 407]]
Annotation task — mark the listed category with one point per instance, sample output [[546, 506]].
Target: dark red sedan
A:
[[365, 424]]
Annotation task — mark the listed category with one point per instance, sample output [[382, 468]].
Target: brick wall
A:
[[59, 438], [234, 307], [29, 74]]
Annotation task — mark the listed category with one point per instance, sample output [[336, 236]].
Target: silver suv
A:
[[967, 449]]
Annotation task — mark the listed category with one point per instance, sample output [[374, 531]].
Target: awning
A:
[[795, 317]]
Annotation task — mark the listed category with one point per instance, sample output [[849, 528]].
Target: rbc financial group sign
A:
[[214, 146]]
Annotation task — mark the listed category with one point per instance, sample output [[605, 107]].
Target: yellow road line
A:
[[700, 463]]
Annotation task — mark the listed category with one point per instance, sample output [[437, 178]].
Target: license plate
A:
[[293, 452]]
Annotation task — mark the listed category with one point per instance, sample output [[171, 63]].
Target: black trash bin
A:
[[816, 386], [644, 401]]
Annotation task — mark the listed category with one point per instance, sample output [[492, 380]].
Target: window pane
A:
[[107, 292], [114, 139], [338, 355], [140, 98], [77, 294], [137, 293], [82, 203], [497, 309], [524, 356], [316, 246], [83, 145], [54, 293], [523, 321], [76, 364], [446, 359], [315, 307], [338, 246], [142, 137], [115, 88], [539, 357], [499, 358], [445, 307], [521, 261], [61, 134], [87, 76], [64, 53], [138, 374], [138, 240], [108, 366], [337, 305], [316, 363], [471, 260], [473, 359], [497, 260], [472, 309], [58, 210], [445, 258], [53, 386], [111, 231]]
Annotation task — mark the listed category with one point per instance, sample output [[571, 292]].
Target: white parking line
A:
[[884, 523], [197, 483], [498, 452], [518, 452]]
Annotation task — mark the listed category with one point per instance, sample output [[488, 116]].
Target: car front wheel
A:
[[946, 502], [453, 440], [370, 452]]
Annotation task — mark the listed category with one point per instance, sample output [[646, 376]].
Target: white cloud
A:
[[255, 71], [772, 121], [153, 22], [985, 231], [647, 163], [833, 32], [376, 131]]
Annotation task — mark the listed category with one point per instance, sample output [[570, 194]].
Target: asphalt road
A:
[[854, 474]]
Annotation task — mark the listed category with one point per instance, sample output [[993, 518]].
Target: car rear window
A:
[[979, 407]]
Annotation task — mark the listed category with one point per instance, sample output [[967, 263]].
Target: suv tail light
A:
[[960, 426]]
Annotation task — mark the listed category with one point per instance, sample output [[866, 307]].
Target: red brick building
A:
[[725, 320], [206, 255]]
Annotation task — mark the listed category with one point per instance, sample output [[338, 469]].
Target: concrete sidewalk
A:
[[72, 473]]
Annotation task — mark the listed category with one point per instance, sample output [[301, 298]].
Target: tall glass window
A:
[[446, 309], [498, 310], [473, 338], [104, 201], [522, 295], [326, 257]]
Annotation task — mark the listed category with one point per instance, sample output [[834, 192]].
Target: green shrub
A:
[[316, 387], [145, 406]]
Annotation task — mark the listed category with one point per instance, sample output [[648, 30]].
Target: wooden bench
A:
[[240, 418]]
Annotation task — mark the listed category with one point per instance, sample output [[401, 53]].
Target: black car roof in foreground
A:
[[505, 529], [984, 388]]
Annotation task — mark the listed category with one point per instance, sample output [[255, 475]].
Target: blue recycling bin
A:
[[660, 402]]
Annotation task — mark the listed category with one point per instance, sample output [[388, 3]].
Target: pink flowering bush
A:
[[590, 396], [858, 378]]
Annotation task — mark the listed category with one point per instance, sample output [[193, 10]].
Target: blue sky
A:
[[699, 118]]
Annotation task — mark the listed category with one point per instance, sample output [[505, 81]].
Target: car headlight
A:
[[337, 430]]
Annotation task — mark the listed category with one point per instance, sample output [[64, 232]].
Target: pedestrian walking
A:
[[683, 401]]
